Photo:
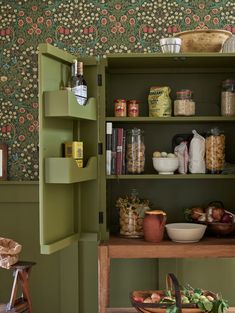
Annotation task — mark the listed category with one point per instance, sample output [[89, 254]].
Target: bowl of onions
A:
[[219, 221]]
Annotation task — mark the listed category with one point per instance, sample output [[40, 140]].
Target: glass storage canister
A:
[[184, 104], [120, 107], [228, 98], [215, 151], [135, 156], [131, 214]]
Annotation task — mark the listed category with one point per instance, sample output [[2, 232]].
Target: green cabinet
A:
[[63, 216], [78, 204], [130, 76]]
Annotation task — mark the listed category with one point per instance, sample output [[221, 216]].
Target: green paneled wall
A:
[[53, 282]]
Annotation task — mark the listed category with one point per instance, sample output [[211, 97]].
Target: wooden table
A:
[[122, 248]]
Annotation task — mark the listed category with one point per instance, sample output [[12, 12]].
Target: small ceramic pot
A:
[[153, 226]]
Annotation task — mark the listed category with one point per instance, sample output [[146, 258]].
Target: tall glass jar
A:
[[228, 97], [135, 151], [184, 104], [215, 151]]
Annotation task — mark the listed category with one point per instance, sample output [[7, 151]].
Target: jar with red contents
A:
[[133, 108], [120, 107]]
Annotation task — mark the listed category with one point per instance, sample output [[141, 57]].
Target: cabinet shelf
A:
[[172, 119], [66, 171], [58, 245], [139, 248], [171, 176], [62, 103]]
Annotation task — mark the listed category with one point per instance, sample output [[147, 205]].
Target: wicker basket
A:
[[9, 252], [171, 284]]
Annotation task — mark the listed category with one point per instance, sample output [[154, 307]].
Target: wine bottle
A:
[[78, 83]]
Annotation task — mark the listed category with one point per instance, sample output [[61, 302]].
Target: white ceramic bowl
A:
[[185, 232], [170, 45], [165, 165]]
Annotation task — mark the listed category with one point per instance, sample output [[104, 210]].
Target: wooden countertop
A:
[[138, 248]]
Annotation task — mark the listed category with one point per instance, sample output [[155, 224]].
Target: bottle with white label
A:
[[78, 83]]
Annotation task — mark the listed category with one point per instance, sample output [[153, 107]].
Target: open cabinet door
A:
[[68, 194]]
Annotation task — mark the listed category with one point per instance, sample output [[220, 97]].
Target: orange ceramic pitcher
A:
[[153, 226]]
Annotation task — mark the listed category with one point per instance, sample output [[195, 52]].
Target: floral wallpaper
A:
[[96, 27]]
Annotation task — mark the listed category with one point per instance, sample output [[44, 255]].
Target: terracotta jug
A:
[[153, 226]]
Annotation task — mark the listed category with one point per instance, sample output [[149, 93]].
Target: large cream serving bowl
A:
[[203, 40], [185, 232]]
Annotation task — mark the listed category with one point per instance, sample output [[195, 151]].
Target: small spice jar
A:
[[135, 151], [215, 151], [184, 104], [228, 98], [133, 108], [120, 107]]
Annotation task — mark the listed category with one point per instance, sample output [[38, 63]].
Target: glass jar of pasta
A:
[[228, 98], [135, 151], [215, 151]]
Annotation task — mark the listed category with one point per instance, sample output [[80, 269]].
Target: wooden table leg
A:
[[103, 277]]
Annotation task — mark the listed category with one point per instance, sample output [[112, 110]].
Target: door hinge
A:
[[99, 79], [100, 148], [101, 218]]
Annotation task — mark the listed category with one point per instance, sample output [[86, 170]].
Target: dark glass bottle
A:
[[78, 83]]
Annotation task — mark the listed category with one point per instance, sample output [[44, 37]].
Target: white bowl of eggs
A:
[[165, 163]]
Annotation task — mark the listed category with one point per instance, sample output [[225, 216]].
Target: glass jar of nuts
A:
[[215, 151], [131, 214], [135, 151]]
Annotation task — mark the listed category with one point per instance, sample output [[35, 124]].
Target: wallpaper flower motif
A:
[[96, 27]]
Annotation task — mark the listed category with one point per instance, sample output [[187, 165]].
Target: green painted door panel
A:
[[88, 274], [63, 119]]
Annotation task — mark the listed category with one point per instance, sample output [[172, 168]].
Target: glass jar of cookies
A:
[[135, 151], [215, 151]]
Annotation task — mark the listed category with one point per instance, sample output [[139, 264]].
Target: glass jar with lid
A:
[[135, 151], [228, 98], [132, 210], [215, 151], [184, 104]]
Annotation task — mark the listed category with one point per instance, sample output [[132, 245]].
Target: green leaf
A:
[[208, 306], [201, 306], [168, 293], [198, 290], [172, 309]]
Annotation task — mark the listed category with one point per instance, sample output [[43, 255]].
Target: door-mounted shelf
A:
[[63, 103], [66, 171]]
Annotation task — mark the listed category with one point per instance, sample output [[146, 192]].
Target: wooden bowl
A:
[[221, 229], [203, 40]]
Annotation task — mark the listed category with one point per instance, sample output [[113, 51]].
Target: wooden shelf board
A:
[[133, 310], [66, 171], [172, 119], [170, 176], [208, 247], [171, 60], [62, 103]]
